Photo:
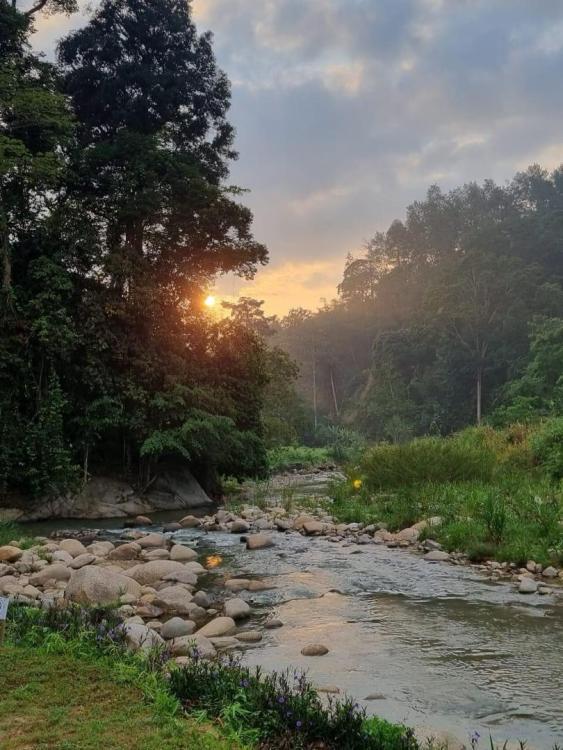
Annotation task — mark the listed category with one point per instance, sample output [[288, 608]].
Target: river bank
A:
[[437, 646]]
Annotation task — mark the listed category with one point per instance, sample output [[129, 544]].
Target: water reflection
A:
[[213, 561]]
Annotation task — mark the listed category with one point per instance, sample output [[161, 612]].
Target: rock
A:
[[6, 582], [128, 551], [237, 584], [249, 636], [314, 649], [61, 556], [155, 554], [300, 522], [175, 599], [184, 576], [273, 624], [329, 689], [375, 697], [155, 625], [182, 554], [188, 644], [225, 643], [313, 528], [201, 599], [550, 572], [176, 487], [176, 627], [73, 547], [4, 569], [140, 637], [152, 540], [100, 549], [238, 609], [149, 611], [408, 535], [218, 627], [56, 572], [142, 521], [10, 554], [239, 527], [259, 541], [151, 572], [430, 544], [82, 560], [172, 527], [190, 522], [194, 567], [282, 525], [95, 585], [528, 586], [436, 555]]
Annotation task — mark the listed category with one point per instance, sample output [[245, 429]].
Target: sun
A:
[[210, 301]]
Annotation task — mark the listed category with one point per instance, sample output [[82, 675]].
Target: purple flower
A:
[[298, 724]]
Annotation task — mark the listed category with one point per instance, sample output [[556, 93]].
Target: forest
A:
[[450, 318], [116, 218]]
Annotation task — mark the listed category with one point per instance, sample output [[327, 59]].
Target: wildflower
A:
[[475, 737]]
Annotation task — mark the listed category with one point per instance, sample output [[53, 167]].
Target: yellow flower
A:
[[357, 484]]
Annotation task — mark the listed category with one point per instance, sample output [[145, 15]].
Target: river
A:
[[438, 647]]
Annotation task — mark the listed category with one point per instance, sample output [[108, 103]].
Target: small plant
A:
[[297, 457], [547, 446]]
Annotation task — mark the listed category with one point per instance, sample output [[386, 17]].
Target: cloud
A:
[[288, 285], [346, 110]]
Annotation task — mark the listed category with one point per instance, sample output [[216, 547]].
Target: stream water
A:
[[438, 647]]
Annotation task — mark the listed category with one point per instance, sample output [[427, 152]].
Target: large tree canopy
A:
[[115, 218]]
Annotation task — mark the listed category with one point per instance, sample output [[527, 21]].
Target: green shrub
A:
[[426, 460], [547, 447]]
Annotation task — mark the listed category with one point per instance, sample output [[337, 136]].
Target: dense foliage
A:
[[494, 494], [449, 317], [114, 220]]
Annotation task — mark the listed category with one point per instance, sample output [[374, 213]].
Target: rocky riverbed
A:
[[479, 646]]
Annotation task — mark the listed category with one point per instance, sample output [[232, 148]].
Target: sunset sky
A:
[[346, 110]]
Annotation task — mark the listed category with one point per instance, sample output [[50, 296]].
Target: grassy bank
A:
[[73, 684], [498, 493]]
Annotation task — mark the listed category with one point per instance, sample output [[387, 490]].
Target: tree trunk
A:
[[479, 394], [315, 387], [336, 410], [6, 255]]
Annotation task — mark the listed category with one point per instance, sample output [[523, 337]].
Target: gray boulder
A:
[[95, 585]]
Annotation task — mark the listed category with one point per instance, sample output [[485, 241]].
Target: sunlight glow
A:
[[210, 301]]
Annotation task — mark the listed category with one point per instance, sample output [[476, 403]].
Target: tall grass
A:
[[426, 460]]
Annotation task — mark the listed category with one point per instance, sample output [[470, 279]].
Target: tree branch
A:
[[35, 8]]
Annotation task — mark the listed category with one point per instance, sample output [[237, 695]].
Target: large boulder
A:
[[177, 488], [148, 573], [187, 577], [82, 560], [436, 555], [94, 585]]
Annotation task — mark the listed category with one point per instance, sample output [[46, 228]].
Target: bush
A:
[[547, 447], [426, 460], [282, 710]]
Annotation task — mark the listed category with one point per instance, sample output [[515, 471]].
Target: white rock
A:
[[140, 637], [176, 627], [528, 586]]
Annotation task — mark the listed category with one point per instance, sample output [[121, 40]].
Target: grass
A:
[[12, 532], [59, 701], [295, 457], [494, 496]]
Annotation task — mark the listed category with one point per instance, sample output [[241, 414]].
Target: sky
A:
[[347, 110]]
